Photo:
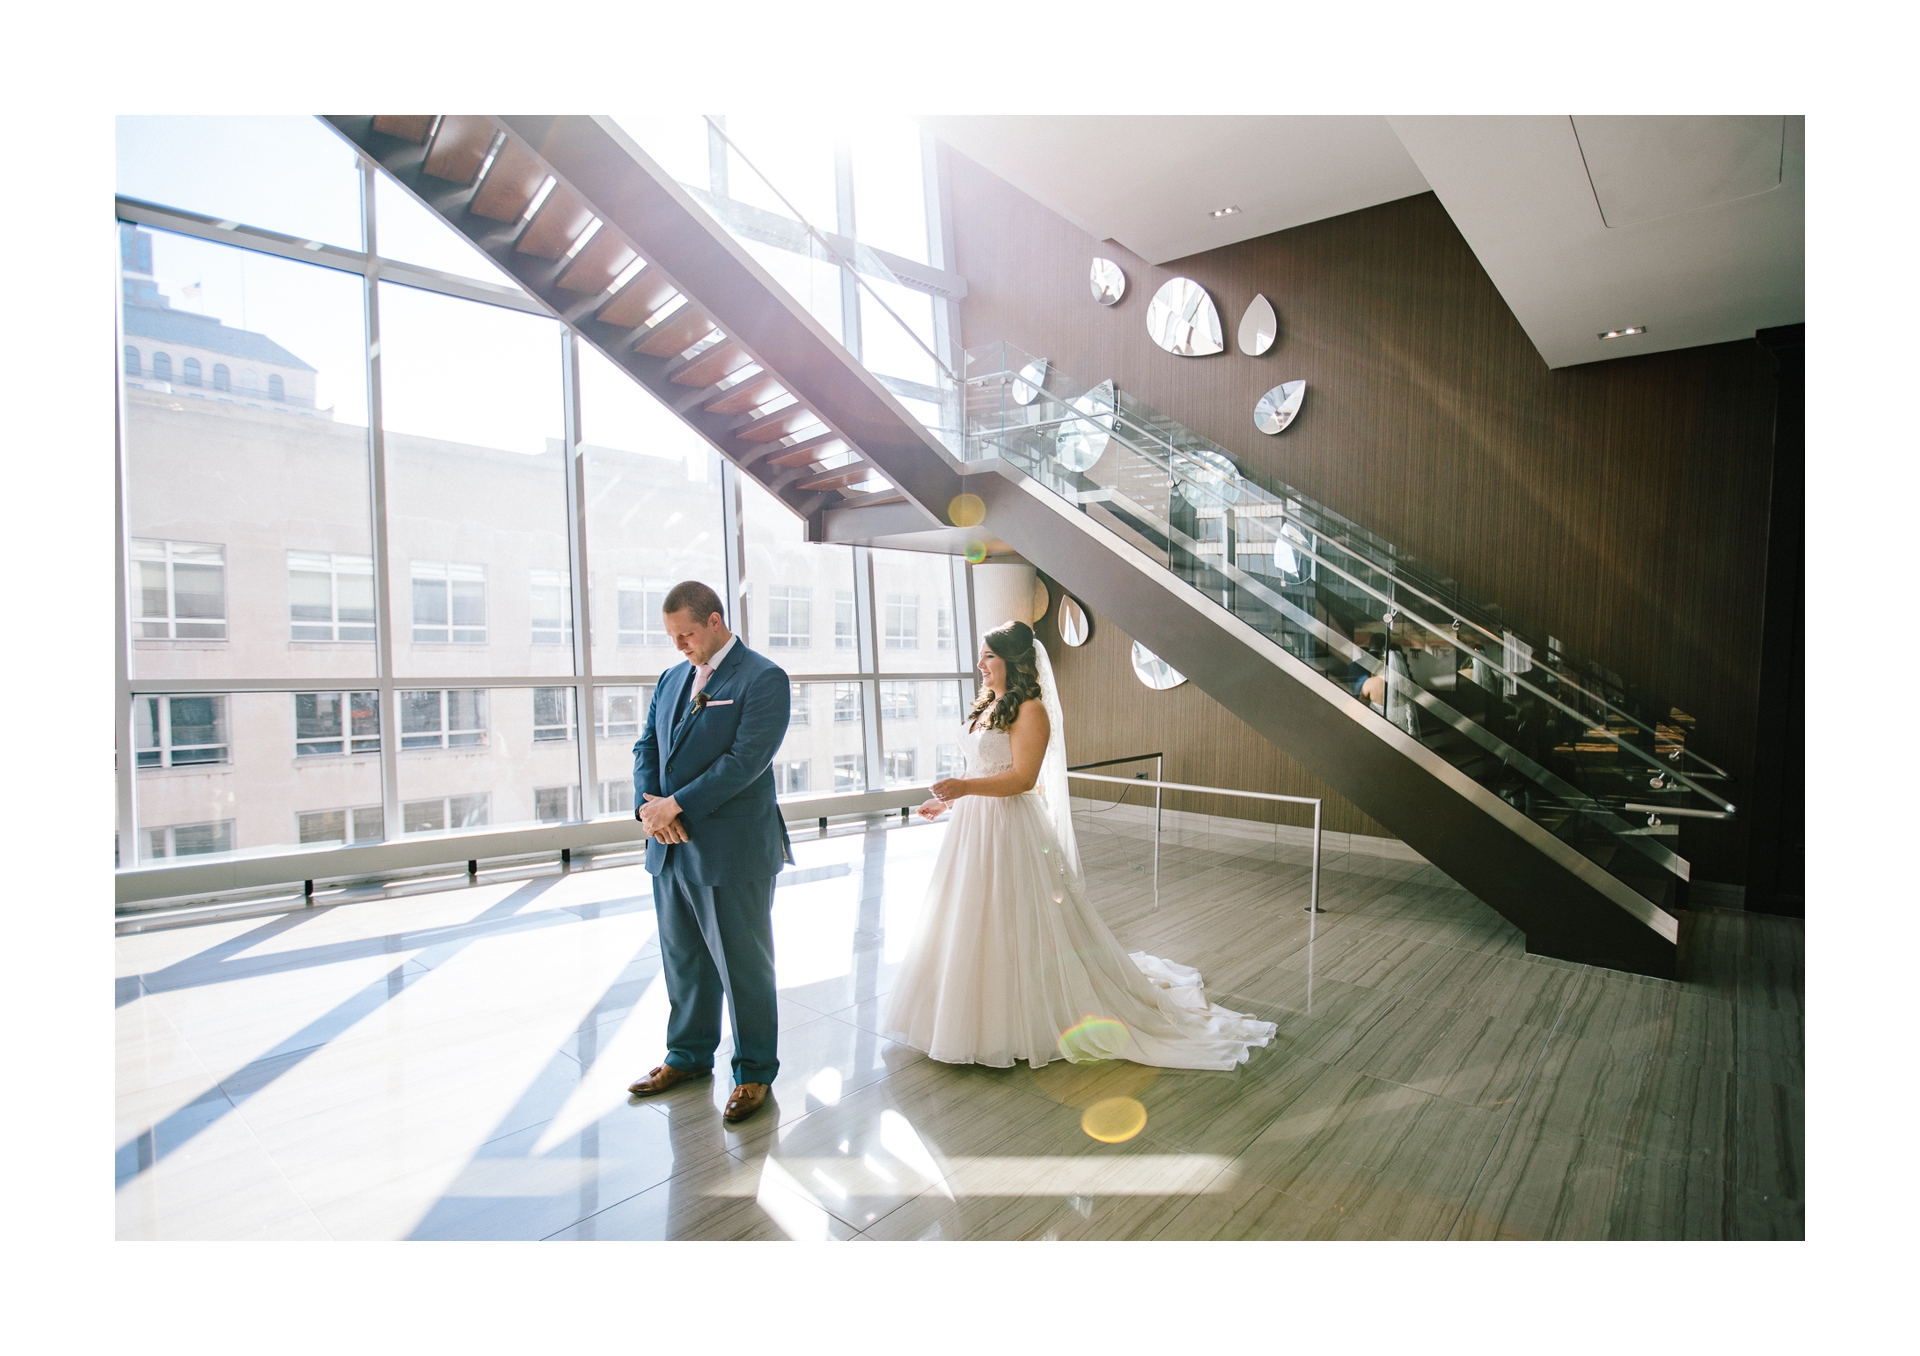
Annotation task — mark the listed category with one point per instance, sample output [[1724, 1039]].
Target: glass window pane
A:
[[492, 764], [248, 778], [406, 231], [653, 515], [889, 186], [919, 729], [476, 486], [819, 740], [794, 152], [779, 557], [913, 591], [291, 174], [676, 141], [887, 344], [228, 490]]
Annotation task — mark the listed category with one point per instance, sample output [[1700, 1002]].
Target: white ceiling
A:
[[1693, 227], [1151, 183]]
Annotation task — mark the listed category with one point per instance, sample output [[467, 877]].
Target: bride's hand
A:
[[932, 809], [949, 788]]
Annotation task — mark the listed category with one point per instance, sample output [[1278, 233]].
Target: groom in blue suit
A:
[[703, 788]]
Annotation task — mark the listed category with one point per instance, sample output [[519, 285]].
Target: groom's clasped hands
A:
[[659, 816]]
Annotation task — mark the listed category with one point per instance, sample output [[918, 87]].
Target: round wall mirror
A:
[[1154, 671], [1076, 627], [1276, 409], [1080, 441], [1259, 327], [1109, 283], [1032, 381], [1182, 320], [1041, 600]]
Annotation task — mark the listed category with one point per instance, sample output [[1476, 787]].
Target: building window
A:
[[361, 824], [903, 621], [799, 704], [276, 387], [899, 701], [187, 840], [446, 812], [556, 804], [443, 720], [335, 722], [949, 708], [943, 627], [843, 625], [552, 609], [449, 603], [846, 702], [190, 372], [791, 778], [640, 603], [330, 596], [222, 377], [849, 772], [899, 766], [947, 761], [552, 714], [179, 731], [617, 711], [789, 617], [616, 797], [182, 590], [132, 360], [162, 367]]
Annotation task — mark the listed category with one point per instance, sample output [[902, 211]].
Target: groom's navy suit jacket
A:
[[717, 762]]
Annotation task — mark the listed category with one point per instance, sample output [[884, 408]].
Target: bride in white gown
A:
[[1009, 960]]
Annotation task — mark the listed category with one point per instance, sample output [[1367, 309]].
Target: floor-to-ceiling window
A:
[[395, 542]]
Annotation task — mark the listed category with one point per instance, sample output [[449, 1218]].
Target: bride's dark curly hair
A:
[[1013, 642]]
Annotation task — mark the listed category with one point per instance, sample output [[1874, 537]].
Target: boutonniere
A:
[[700, 700]]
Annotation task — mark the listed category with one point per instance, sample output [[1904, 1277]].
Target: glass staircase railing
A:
[[1562, 739]]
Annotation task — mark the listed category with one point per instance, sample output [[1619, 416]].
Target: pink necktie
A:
[[701, 672]]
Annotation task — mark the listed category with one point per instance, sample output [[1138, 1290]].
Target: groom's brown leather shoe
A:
[[747, 1098], [662, 1078]]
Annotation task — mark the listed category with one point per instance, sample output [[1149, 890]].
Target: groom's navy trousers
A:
[[713, 894]]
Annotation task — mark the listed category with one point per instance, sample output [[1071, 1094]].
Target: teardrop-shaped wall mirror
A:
[[1076, 627], [1042, 600], [1277, 408], [1154, 671], [1030, 383], [1182, 319], [1109, 283], [1259, 327], [1081, 440]]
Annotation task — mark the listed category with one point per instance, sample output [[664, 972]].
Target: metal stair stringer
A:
[[1568, 907], [598, 170]]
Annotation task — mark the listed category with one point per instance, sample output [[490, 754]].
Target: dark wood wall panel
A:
[[1621, 505]]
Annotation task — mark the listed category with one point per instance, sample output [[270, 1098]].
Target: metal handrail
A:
[[1313, 892]]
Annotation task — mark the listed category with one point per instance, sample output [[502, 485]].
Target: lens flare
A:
[[1094, 1038], [976, 551], [1114, 1121], [967, 510]]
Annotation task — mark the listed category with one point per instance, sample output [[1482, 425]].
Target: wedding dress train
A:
[[1010, 961]]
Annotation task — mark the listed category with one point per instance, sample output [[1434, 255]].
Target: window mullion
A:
[[865, 621], [377, 487], [582, 707]]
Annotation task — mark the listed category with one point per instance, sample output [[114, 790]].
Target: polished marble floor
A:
[[453, 1065]]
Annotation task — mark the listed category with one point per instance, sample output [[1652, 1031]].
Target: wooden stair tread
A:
[[459, 147], [677, 333], [509, 186], [408, 127], [555, 226], [605, 257], [780, 424], [704, 369], [749, 393]]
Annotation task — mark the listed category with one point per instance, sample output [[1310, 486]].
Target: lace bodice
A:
[[988, 752]]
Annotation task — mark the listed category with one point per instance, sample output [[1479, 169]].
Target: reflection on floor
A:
[[454, 1065]]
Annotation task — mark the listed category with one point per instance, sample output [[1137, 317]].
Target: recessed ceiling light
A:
[[1621, 334], [1225, 211]]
